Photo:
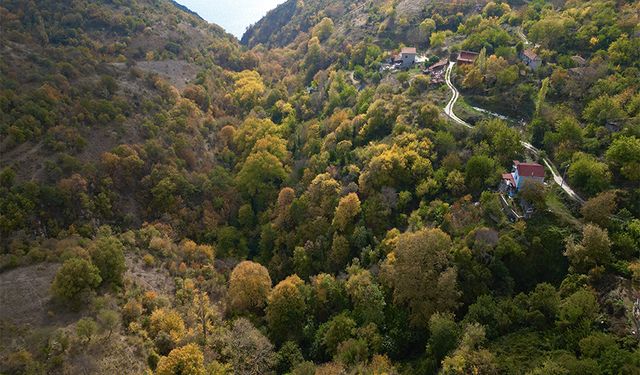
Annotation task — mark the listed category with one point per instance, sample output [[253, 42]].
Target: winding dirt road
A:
[[448, 110], [454, 98]]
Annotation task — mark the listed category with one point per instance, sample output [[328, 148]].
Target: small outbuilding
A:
[[436, 71], [439, 66], [467, 57]]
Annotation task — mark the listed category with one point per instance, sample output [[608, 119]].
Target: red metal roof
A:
[[529, 169]]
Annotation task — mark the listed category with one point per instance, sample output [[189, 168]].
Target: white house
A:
[[520, 175], [407, 57]]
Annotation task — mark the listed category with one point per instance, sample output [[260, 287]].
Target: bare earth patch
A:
[[177, 72], [149, 278], [24, 294], [116, 355]]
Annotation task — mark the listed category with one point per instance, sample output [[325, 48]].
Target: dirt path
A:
[[448, 110]]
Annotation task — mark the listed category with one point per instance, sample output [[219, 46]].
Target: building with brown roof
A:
[[440, 65], [467, 57], [407, 57], [531, 58]]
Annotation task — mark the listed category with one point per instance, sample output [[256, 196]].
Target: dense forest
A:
[[176, 201]]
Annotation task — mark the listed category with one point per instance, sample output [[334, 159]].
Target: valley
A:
[[351, 187]]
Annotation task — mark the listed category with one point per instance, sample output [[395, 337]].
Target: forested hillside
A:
[[176, 201]]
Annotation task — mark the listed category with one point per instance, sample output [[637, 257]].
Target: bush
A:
[[75, 280], [108, 255], [85, 329]]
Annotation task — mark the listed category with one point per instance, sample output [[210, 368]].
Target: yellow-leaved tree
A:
[[248, 88], [249, 287], [187, 360]]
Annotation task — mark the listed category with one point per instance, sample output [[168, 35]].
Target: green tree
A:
[[473, 79], [625, 51], [480, 173], [323, 29], [74, 280], [588, 174], [594, 250], [576, 315], [315, 59], [107, 253], [429, 116], [286, 310], [443, 335], [86, 328], [252, 130], [367, 297], [542, 95], [553, 32], [624, 156], [328, 296], [504, 140], [288, 357], [108, 320], [340, 252], [381, 115], [603, 109], [437, 38], [330, 334], [426, 28], [260, 176], [470, 357], [534, 193]]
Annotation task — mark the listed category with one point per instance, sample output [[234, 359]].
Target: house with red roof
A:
[[521, 174]]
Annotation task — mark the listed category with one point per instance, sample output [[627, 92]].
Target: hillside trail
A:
[[448, 110], [522, 36]]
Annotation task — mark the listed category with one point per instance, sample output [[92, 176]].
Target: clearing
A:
[[24, 294]]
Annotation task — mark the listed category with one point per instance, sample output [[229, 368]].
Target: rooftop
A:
[[529, 169], [530, 54], [467, 56], [408, 50], [509, 178], [439, 64]]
